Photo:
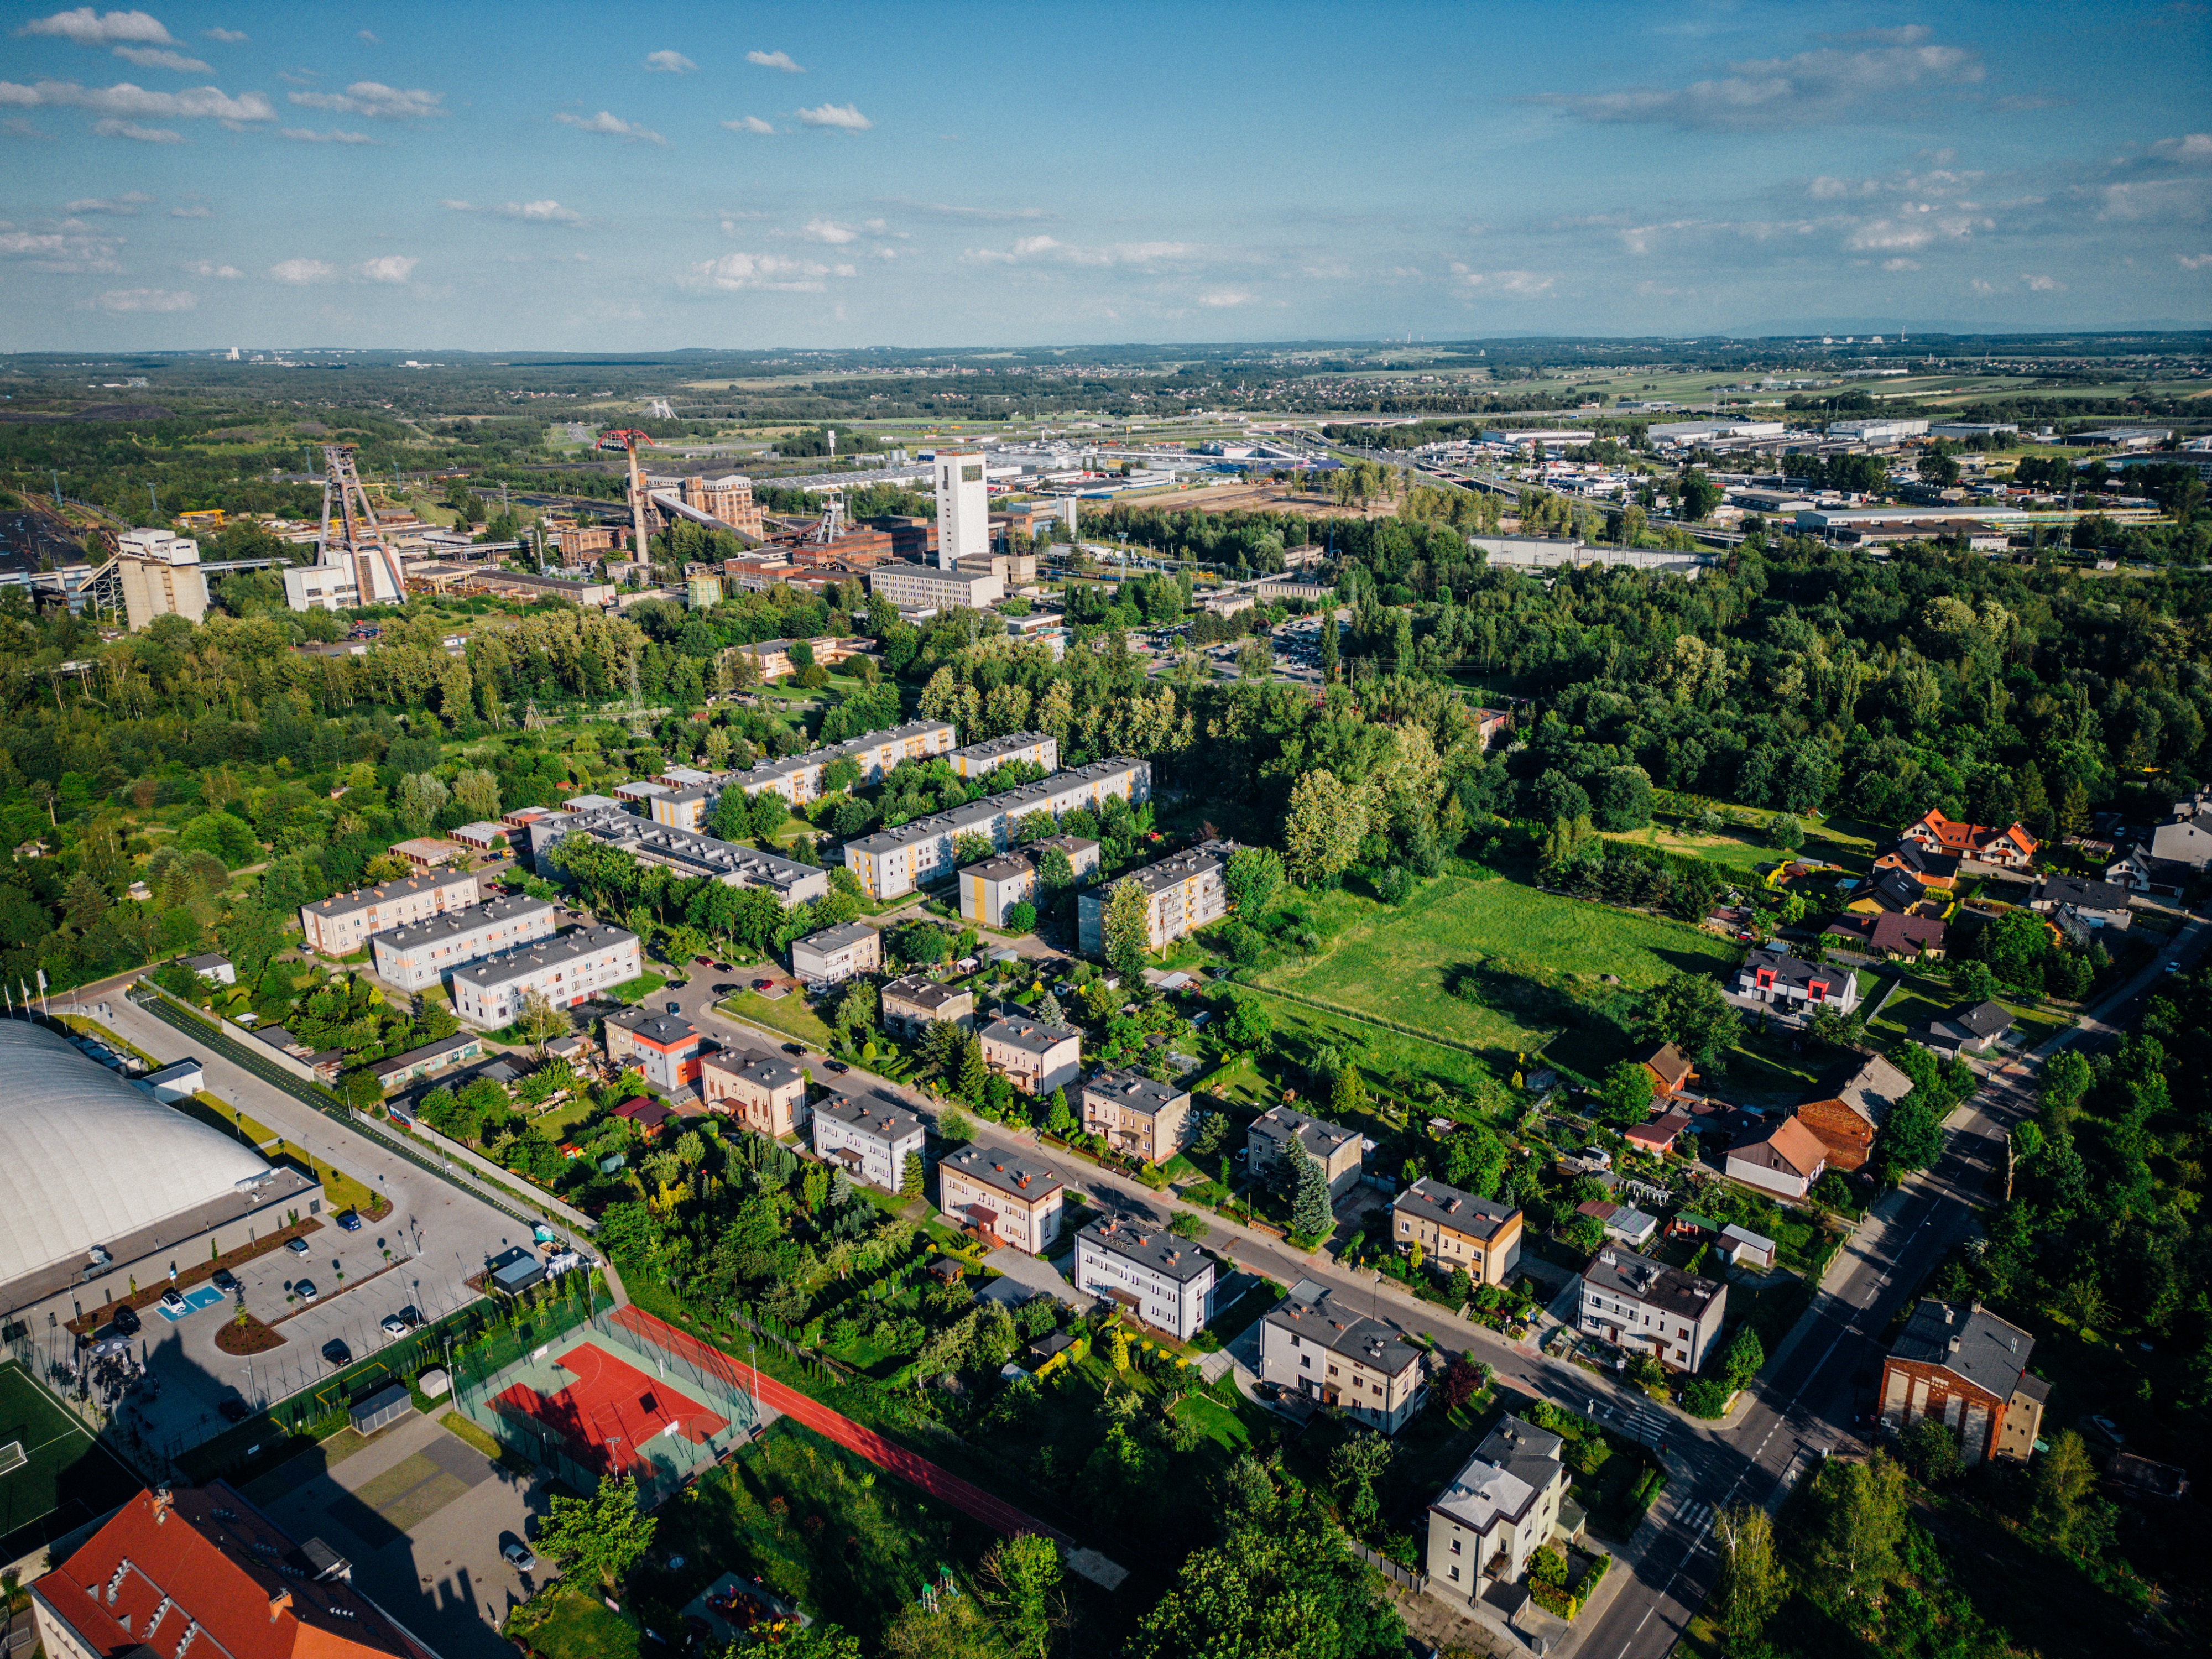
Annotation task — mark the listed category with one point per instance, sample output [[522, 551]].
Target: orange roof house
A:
[[1670, 1070], [2012, 847]]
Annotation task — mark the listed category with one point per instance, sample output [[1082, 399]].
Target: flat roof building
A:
[[1037, 748], [799, 778], [921, 585], [891, 862], [686, 851], [568, 969], [1183, 893], [989, 889]]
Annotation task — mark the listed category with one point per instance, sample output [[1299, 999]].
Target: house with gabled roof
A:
[[1958, 1364], [1671, 1070], [2012, 848], [1964, 1030], [1849, 1107], [1785, 1159], [1456, 1229], [1773, 974]]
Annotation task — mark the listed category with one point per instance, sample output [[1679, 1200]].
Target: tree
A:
[[1697, 495], [1253, 876], [1021, 917], [815, 1642], [1127, 928], [1751, 1584], [362, 1089], [1248, 1024], [765, 813], [601, 1537], [537, 1021], [912, 1176], [972, 847], [2066, 1079], [477, 793], [1060, 1118], [1690, 1011], [1282, 1586], [1745, 1355], [1930, 1449], [956, 1126], [1323, 830], [1353, 1467], [1310, 1215], [1626, 1093], [973, 1075], [1910, 1138], [1189, 1224], [1019, 1581], [1859, 1521], [1348, 1094], [1474, 1161], [2062, 1497]]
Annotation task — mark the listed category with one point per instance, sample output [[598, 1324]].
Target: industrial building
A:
[[416, 957], [963, 508], [161, 574], [895, 862], [932, 588]]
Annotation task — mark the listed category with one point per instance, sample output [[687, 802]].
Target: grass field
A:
[[66, 1478], [788, 1014], [1535, 958]]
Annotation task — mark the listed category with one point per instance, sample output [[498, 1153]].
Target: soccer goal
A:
[[12, 1457]]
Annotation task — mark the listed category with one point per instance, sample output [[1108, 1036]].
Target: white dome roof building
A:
[[90, 1163]]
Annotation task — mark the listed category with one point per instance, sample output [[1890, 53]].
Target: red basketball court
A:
[[609, 1412]]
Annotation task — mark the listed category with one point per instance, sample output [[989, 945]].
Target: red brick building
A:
[[1960, 1365], [1851, 1106]]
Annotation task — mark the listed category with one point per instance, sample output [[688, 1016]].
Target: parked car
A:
[[225, 1280], [233, 1410], [337, 1352], [392, 1326], [413, 1319], [705, 962], [517, 1555], [726, 987], [836, 1066], [794, 1048], [174, 1300], [349, 1221], [763, 984], [297, 1246], [305, 1290], [126, 1321], [675, 1007]]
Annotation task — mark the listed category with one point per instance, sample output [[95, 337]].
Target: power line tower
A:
[[626, 439], [360, 543]]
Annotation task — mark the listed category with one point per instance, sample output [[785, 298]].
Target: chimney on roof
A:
[[163, 1500], [278, 1604]]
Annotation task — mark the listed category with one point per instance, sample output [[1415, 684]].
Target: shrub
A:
[[1706, 1397]]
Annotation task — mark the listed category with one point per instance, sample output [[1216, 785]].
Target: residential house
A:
[[1960, 1365], [1848, 1106], [1657, 1135], [1497, 1512], [1165, 1281], [2011, 847], [1182, 894], [340, 925], [1785, 1159], [1325, 1350], [836, 954], [2184, 838], [1150, 1121], [1624, 1224], [666, 1049], [765, 1093], [1034, 1055], [1457, 1229], [1773, 975], [1005, 1197], [201, 1568], [1645, 1306], [1925, 864], [990, 888], [871, 1136], [2095, 903], [909, 1005], [418, 1063], [1896, 891], [213, 966], [1670, 1069], [1890, 934], [650, 1117], [1283, 1132], [1964, 1030]]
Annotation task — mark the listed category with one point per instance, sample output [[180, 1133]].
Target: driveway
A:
[[422, 1515], [1036, 1274]]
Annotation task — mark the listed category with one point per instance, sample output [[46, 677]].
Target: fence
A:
[[1404, 1576], [453, 1149]]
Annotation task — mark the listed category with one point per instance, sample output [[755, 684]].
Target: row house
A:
[[1783, 980], [340, 925], [418, 956]]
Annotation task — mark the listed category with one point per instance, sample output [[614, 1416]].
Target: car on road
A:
[[232, 1409], [337, 1352], [305, 1290], [2174, 965], [794, 1048], [174, 1300], [675, 1007], [517, 1554], [224, 1280], [728, 987], [836, 1066], [349, 1221], [297, 1246], [126, 1321]]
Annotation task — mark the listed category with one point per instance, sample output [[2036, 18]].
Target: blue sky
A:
[[650, 176]]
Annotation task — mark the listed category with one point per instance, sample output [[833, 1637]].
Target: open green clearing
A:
[[1743, 845]]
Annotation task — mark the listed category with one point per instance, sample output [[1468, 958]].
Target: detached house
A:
[[1005, 1198], [1645, 1306], [1776, 977], [1150, 1121], [870, 1137], [1458, 1230], [1670, 1070], [1362, 1366], [666, 1049], [1034, 1055], [1283, 1132], [910, 1004], [1785, 1159], [1964, 1030], [765, 1093], [2011, 847], [1923, 864], [1497, 1512], [1893, 934], [1164, 1280], [1852, 1102], [1961, 1365]]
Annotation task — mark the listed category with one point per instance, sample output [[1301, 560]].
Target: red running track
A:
[[964, 1495]]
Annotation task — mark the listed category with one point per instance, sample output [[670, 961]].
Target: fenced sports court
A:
[[54, 1476], [606, 1398]]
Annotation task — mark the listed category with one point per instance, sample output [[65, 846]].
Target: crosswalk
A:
[[1696, 1519]]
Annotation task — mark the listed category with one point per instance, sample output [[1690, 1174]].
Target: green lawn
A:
[[560, 1624], [788, 1014], [1536, 959]]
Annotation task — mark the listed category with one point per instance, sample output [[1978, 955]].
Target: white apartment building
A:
[[964, 507], [1037, 748], [568, 969], [1497, 1512], [869, 1137], [895, 862], [799, 778], [338, 927], [1644, 1306], [1165, 1281], [420, 955], [1182, 894]]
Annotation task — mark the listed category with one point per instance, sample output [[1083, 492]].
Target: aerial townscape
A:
[[1491, 942]]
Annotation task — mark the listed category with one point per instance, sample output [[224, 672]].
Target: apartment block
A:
[[568, 969], [1456, 1229], [895, 862], [340, 925], [1327, 1351], [682, 809], [765, 1093], [799, 778], [1165, 1281], [836, 954], [686, 851], [1182, 894], [909, 1005], [989, 889], [1150, 1121], [1007, 1198], [1034, 1055], [421, 954], [870, 1137], [665, 1048], [1035, 748]]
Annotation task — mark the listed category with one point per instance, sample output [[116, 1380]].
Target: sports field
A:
[[66, 1478]]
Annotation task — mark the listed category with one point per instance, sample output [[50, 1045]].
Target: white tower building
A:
[[963, 508]]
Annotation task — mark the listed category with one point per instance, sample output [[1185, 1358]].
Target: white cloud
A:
[[749, 124], [192, 211], [548, 212], [2195, 261], [389, 268], [1981, 287], [2043, 284], [846, 118], [2191, 147], [146, 299], [163, 58], [950, 211], [669, 63], [1052, 249], [1525, 284], [363, 35], [615, 127], [1828, 84], [298, 272], [16, 127], [111, 129], [774, 60], [90, 29], [124, 98], [770, 272], [128, 202], [335, 136], [74, 248], [208, 268], [1221, 299], [374, 100], [828, 230], [229, 37], [1900, 265]]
